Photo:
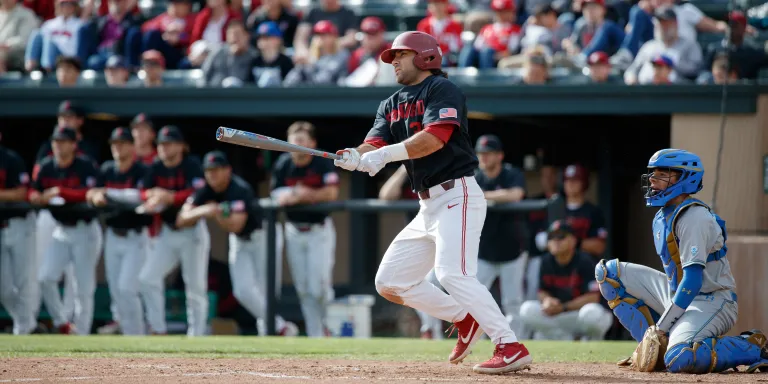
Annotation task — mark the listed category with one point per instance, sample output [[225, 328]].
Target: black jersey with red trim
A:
[[241, 199], [184, 178], [84, 147], [439, 107], [73, 181], [133, 177], [13, 174], [587, 221], [567, 282], [317, 174]]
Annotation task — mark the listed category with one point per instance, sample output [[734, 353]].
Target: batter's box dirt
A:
[[198, 370]]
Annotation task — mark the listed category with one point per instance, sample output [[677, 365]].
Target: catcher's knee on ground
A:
[[717, 354], [632, 312]]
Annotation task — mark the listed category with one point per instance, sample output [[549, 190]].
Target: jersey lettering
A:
[[406, 110]]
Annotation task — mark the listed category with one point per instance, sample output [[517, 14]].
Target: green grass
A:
[[301, 348]]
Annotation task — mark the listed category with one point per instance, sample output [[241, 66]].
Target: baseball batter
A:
[[693, 304], [76, 237], [424, 125], [231, 203], [310, 238], [126, 243], [18, 289]]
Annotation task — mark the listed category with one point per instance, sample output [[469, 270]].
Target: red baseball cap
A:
[[503, 5], [325, 27], [598, 58], [601, 2], [577, 172], [737, 17], [372, 25], [153, 56]]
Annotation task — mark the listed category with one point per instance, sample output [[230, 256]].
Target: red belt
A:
[[448, 185]]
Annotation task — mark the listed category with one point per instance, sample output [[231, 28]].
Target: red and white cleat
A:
[[506, 358], [427, 335], [111, 328], [469, 334], [67, 329], [289, 330]]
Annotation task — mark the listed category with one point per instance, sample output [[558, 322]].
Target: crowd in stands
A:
[[277, 43]]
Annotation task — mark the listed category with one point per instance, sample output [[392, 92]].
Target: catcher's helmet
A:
[[423, 44], [690, 180]]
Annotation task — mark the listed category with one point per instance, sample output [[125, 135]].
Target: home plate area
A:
[[213, 370]]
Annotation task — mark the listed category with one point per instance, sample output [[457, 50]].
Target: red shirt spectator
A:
[[373, 43], [503, 35], [177, 17], [441, 26], [213, 12], [45, 9]]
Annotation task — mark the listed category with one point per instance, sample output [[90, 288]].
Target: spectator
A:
[[279, 15], [722, 72], [44, 9], [600, 69], [748, 58], [662, 70], [16, 26], [153, 65], [585, 219], [641, 28], [271, 65], [170, 33], [60, 36], [211, 24], [545, 30], [143, 132], [395, 188], [536, 67], [372, 45], [686, 54], [68, 71], [503, 250], [444, 28], [568, 304], [327, 61], [495, 41], [593, 33], [231, 65], [116, 72], [341, 17], [118, 32]]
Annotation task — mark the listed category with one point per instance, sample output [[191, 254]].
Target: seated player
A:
[[680, 317], [568, 299]]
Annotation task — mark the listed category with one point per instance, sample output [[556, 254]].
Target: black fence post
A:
[[271, 215]]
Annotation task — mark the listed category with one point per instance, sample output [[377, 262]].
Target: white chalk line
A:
[[228, 373]]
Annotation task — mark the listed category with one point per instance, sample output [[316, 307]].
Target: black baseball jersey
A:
[[185, 178], [241, 199], [504, 233], [567, 282], [13, 174], [79, 176], [434, 101], [586, 221], [317, 174], [84, 148], [132, 178]]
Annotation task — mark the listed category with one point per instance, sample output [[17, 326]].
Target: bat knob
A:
[[219, 133]]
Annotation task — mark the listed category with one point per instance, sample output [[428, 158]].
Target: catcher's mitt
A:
[[649, 354]]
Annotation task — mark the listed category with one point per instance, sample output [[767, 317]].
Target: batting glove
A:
[[374, 161], [350, 159]]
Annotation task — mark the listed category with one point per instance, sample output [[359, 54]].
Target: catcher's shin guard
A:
[[632, 312], [717, 354]]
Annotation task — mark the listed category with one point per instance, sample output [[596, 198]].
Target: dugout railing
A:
[[554, 207]]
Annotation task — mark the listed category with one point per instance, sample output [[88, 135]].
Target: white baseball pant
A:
[[591, 320], [79, 245], [445, 234], [45, 225], [311, 255], [430, 323], [190, 247], [18, 273], [510, 275], [124, 257], [247, 267]]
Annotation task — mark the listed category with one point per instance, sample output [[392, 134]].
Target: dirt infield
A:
[[195, 370]]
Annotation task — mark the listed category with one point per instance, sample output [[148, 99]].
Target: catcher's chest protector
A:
[[667, 242]]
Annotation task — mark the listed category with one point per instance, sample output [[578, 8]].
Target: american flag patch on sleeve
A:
[[238, 206], [447, 113], [90, 182], [24, 178], [331, 178], [198, 183]]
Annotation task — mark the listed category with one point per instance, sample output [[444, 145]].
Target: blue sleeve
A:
[[689, 286], [607, 36]]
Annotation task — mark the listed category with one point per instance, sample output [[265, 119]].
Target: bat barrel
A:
[[253, 140]]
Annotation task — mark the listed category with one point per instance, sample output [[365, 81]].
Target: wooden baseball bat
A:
[[253, 140]]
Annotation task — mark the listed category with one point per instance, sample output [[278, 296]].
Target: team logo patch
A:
[[24, 178], [594, 286], [658, 235], [446, 113], [198, 183], [238, 206], [331, 178], [694, 250]]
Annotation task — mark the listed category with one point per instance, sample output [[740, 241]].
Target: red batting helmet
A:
[[423, 44]]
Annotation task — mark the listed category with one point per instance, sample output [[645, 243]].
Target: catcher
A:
[[680, 318]]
